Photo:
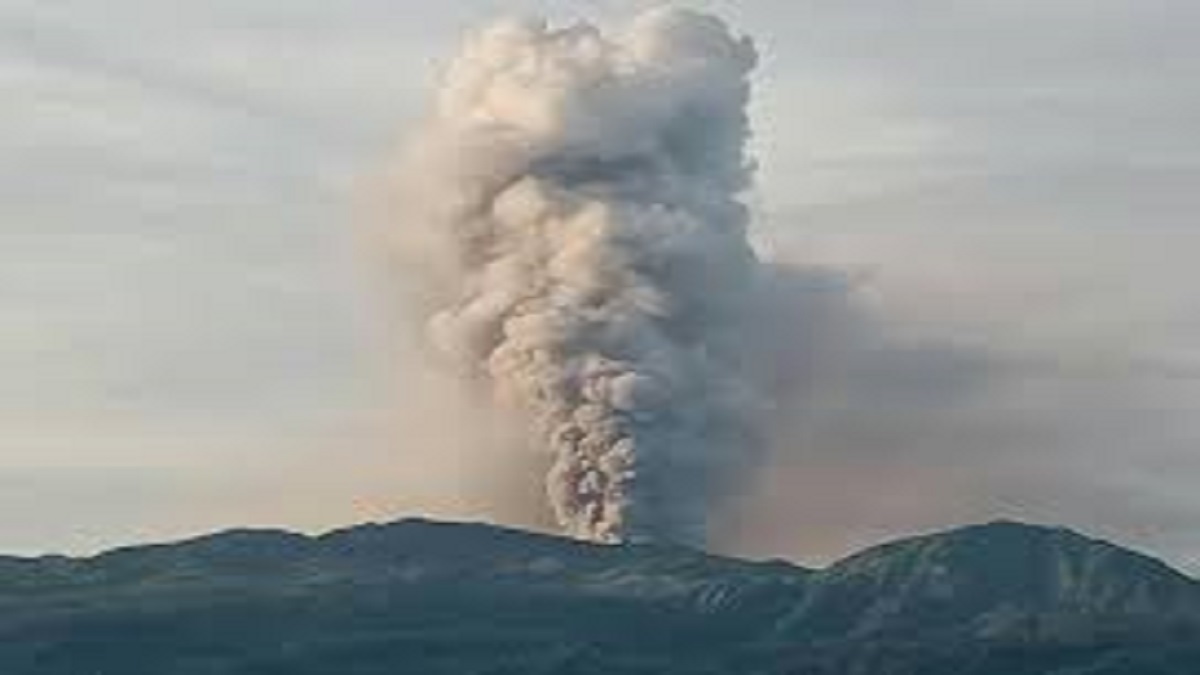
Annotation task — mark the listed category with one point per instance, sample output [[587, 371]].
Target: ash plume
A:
[[574, 205]]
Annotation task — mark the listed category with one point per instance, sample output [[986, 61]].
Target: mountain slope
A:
[[1000, 580], [372, 598], [429, 598], [1003, 599]]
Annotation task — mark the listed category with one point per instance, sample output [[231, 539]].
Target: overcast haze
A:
[[995, 201]]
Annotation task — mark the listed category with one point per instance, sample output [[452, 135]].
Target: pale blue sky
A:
[[190, 338]]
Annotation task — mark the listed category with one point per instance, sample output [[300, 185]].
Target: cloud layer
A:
[[1004, 191]]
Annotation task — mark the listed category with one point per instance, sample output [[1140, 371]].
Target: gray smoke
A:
[[574, 203]]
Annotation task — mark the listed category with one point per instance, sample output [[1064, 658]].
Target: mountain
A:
[[1001, 598], [428, 598]]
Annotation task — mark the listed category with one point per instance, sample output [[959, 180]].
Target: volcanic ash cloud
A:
[[573, 203]]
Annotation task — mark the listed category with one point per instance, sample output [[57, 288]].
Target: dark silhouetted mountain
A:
[[430, 598]]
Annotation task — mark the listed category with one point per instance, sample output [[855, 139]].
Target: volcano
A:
[[426, 597]]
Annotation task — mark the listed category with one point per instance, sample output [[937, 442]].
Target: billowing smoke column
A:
[[576, 198]]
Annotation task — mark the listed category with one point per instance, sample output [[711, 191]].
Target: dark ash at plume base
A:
[[574, 204]]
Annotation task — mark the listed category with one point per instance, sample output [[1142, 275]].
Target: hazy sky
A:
[[191, 336]]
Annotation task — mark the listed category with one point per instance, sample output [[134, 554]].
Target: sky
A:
[[195, 334]]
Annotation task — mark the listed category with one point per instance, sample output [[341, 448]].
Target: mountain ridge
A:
[[430, 597], [528, 534]]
